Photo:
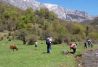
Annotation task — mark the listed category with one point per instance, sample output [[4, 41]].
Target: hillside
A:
[[41, 23]]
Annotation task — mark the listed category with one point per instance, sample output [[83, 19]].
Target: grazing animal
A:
[[13, 47]]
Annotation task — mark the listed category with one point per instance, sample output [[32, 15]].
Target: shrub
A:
[[67, 40], [1, 38], [57, 41], [32, 40]]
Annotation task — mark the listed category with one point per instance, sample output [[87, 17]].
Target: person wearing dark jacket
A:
[[48, 43], [90, 43]]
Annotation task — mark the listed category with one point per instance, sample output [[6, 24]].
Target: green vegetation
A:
[[41, 23], [29, 56], [28, 26]]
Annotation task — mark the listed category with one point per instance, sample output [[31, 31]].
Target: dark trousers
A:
[[48, 48], [74, 50], [85, 45], [35, 45]]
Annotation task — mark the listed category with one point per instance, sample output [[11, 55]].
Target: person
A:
[[73, 46], [89, 43], [36, 43], [85, 44], [48, 43]]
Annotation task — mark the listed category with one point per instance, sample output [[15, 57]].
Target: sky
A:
[[89, 6]]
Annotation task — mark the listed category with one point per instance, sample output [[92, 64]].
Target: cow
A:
[[13, 47]]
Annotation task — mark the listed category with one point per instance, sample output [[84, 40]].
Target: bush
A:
[[32, 40], [57, 41], [10, 38], [1, 38], [67, 40], [21, 34]]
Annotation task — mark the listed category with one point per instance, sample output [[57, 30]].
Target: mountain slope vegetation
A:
[[42, 23]]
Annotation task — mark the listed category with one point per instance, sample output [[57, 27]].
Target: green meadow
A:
[[29, 56]]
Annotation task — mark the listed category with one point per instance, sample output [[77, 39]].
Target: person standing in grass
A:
[[36, 43], [48, 43], [73, 46], [89, 43]]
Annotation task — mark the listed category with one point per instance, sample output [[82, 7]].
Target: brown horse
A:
[[13, 47]]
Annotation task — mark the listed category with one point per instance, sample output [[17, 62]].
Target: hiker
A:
[[73, 46], [48, 43], [89, 43]]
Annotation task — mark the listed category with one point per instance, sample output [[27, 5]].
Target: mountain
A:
[[62, 13], [23, 4], [72, 15]]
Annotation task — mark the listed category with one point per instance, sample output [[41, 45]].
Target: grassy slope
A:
[[29, 56]]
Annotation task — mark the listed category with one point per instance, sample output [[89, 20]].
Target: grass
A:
[[29, 56]]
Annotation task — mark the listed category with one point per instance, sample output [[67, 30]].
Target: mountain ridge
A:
[[62, 13]]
